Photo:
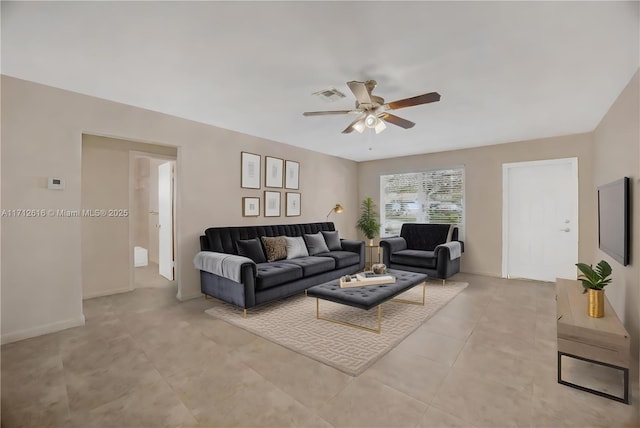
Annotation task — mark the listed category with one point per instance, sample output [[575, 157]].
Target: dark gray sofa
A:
[[263, 282], [425, 248]]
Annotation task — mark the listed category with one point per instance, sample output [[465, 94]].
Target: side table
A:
[[369, 261]]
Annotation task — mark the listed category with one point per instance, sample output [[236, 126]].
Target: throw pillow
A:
[[316, 244], [251, 248], [296, 247], [333, 240], [275, 248]]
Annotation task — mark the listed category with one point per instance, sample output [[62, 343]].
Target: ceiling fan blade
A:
[[391, 118], [415, 101], [351, 127], [323, 113], [361, 92]]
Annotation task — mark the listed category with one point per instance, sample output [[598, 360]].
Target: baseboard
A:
[[106, 293], [42, 329], [184, 298]]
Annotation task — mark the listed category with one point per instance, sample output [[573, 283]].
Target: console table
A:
[[602, 341]]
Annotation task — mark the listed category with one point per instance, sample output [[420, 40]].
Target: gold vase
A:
[[596, 303]]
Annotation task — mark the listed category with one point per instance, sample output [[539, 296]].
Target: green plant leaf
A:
[[588, 273], [368, 221], [603, 269], [596, 279]]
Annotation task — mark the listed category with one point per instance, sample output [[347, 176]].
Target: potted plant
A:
[[368, 221], [594, 281]]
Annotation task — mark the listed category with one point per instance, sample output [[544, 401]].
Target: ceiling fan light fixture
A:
[[359, 126], [371, 120], [380, 126]]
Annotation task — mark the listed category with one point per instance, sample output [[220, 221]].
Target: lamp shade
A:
[[338, 209]]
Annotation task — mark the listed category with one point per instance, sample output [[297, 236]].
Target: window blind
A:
[[434, 196]]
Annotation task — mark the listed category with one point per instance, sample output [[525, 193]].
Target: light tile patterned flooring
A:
[[488, 359]]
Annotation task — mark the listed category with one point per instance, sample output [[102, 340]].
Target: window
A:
[[435, 196]]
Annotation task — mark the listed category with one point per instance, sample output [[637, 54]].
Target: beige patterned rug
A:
[[292, 323]]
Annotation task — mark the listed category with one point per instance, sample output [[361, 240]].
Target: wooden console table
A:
[[602, 341]]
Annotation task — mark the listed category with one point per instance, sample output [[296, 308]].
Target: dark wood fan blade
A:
[[350, 128], [391, 118], [415, 101], [323, 113], [361, 92]]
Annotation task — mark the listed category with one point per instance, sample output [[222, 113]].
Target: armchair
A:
[[433, 249]]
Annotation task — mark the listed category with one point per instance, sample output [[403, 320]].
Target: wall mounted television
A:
[[613, 220]]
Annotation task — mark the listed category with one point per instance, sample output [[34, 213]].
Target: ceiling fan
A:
[[372, 110]]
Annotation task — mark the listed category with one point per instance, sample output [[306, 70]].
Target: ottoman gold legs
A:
[[348, 324], [379, 327], [413, 302]]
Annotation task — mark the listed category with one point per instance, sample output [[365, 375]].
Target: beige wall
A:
[[616, 155], [483, 190], [42, 130]]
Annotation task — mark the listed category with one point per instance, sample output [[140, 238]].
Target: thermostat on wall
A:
[[55, 183]]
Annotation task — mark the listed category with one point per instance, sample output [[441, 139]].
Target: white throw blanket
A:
[[225, 265], [455, 249]]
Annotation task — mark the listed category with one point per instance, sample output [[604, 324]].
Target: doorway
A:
[[153, 231], [112, 181], [540, 219]]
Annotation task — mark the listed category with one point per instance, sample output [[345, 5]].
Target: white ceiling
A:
[[507, 71]]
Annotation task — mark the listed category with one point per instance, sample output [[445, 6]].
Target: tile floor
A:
[[143, 359]]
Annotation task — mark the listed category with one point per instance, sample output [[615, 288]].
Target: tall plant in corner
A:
[[368, 221]]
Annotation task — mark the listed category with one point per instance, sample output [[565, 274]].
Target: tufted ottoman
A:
[[368, 296]]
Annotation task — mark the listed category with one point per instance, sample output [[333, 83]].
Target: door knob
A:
[[566, 229]]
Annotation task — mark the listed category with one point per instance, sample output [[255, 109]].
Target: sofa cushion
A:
[[276, 273], [333, 240], [251, 248], [316, 244], [313, 265], [275, 248], [342, 258], [296, 247], [420, 258]]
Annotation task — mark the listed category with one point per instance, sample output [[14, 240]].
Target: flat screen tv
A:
[[613, 220]]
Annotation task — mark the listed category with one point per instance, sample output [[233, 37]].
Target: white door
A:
[[540, 219], [165, 220]]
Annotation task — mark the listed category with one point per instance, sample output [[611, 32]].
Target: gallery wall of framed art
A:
[[274, 173]]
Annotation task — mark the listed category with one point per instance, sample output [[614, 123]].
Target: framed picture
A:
[[273, 171], [271, 204], [250, 207], [250, 171], [292, 204], [292, 175]]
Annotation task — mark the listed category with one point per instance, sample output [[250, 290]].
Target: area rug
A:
[[292, 323]]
